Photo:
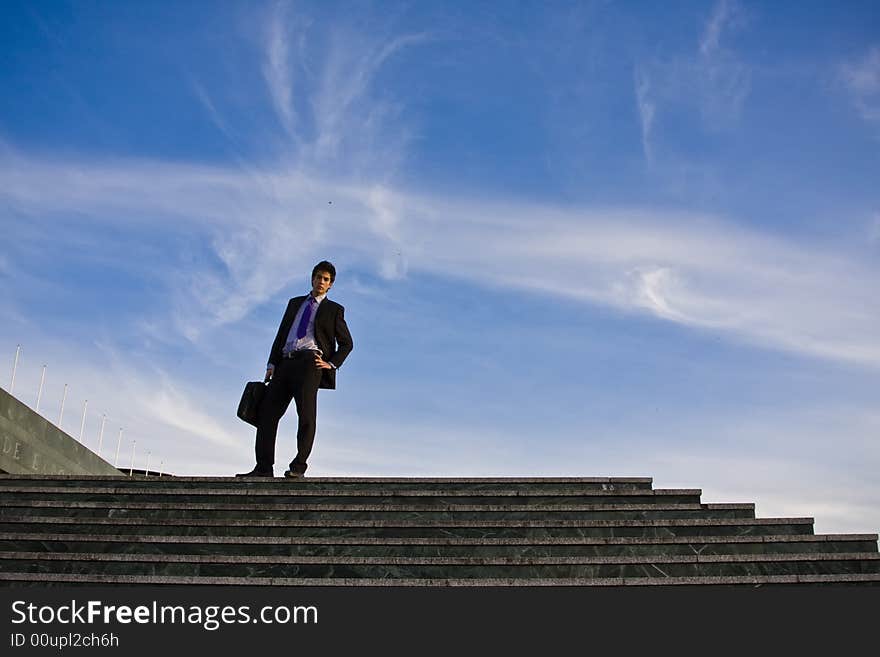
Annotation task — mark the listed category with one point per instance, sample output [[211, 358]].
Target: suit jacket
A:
[[331, 334]]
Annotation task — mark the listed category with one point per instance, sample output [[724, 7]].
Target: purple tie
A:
[[304, 320]]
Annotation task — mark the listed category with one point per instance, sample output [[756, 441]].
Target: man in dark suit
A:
[[312, 342]]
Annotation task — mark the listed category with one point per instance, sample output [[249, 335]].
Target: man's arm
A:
[[278, 343], [343, 339]]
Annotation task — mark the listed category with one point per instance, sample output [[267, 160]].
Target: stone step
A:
[[411, 528], [437, 547], [322, 495], [406, 531], [748, 581], [501, 485], [331, 513], [452, 567]]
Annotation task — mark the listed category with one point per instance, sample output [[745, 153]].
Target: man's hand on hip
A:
[[322, 364]]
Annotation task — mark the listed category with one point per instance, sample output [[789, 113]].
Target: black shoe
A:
[[290, 474], [257, 472]]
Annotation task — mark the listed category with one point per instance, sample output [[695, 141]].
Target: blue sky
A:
[[573, 238]]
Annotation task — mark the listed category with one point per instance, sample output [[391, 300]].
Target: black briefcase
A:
[[249, 406]]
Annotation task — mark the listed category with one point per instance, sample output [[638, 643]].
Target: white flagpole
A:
[[131, 467], [82, 425], [118, 444], [14, 367], [101, 435], [40, 393], [63, 399]]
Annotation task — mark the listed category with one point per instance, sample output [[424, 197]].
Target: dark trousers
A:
[[294, 378]]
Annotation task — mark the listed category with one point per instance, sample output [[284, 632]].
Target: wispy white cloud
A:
[[170, 406], [323, 91], [713, 80], [213, 113], [339, 105], [263, 236], [647, 110], [862, 78], [724, 77], [710, 41], [687, 269], [693, 270], [277, 71]]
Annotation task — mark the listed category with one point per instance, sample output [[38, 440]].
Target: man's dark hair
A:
[[326, 266]]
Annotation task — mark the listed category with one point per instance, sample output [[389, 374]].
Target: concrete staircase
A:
[[405, 532]]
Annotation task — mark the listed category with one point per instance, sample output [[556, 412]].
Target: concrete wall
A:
[[30, 444]]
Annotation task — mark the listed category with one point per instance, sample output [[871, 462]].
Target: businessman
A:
[[312, 343]]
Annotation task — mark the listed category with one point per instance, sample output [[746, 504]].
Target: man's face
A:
[[321, 283]]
